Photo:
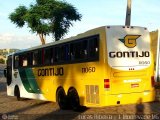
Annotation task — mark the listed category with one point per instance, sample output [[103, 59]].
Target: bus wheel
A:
[[73, 98], [62, 99], [17, 93]]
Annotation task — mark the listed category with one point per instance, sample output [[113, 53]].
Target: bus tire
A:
[[73, 99], [62, 99], [17, 93]]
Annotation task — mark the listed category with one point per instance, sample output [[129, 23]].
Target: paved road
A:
[[28, 109]]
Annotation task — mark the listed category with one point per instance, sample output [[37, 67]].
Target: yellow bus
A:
[[109, 65]]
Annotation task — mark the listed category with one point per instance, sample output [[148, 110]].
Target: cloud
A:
[[10, 40]]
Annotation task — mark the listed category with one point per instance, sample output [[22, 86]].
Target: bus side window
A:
[[67, 53], [78, 50], [48, 56], [72, 52], [24, 60], [64, 53], [29, 58], [37, 57], [20, 60], [84, 50], [93, 48], [16, 61], [55, 54], [61, 54]]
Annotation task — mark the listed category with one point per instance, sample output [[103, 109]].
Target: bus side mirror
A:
[[5, 72]]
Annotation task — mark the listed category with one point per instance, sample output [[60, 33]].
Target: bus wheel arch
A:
[[17, 93], [73, 98], [61, 98]]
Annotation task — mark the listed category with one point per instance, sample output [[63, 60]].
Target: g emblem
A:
[[130, 40]]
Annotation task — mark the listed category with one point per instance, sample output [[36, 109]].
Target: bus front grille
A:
[[92, 94]]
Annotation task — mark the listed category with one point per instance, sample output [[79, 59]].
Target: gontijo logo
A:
[[130, 40]]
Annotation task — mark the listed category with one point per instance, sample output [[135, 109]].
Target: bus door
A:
[[9, 70]]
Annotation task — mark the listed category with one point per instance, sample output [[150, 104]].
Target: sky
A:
[[95, 13]]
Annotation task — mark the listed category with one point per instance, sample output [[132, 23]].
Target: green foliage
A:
[[46, 16], [17, 17], [2, 61]]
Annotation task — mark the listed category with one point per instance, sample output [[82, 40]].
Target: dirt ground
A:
[[11, 109]]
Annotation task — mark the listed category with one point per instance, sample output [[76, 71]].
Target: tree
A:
[[2, 61], [46, 17]]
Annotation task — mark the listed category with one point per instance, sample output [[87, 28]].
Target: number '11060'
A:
[[88, 69]]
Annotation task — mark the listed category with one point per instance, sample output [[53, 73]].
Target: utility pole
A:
[[128, 13]]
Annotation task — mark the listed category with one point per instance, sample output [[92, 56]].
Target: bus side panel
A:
[[79, 75], [94, 81]]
